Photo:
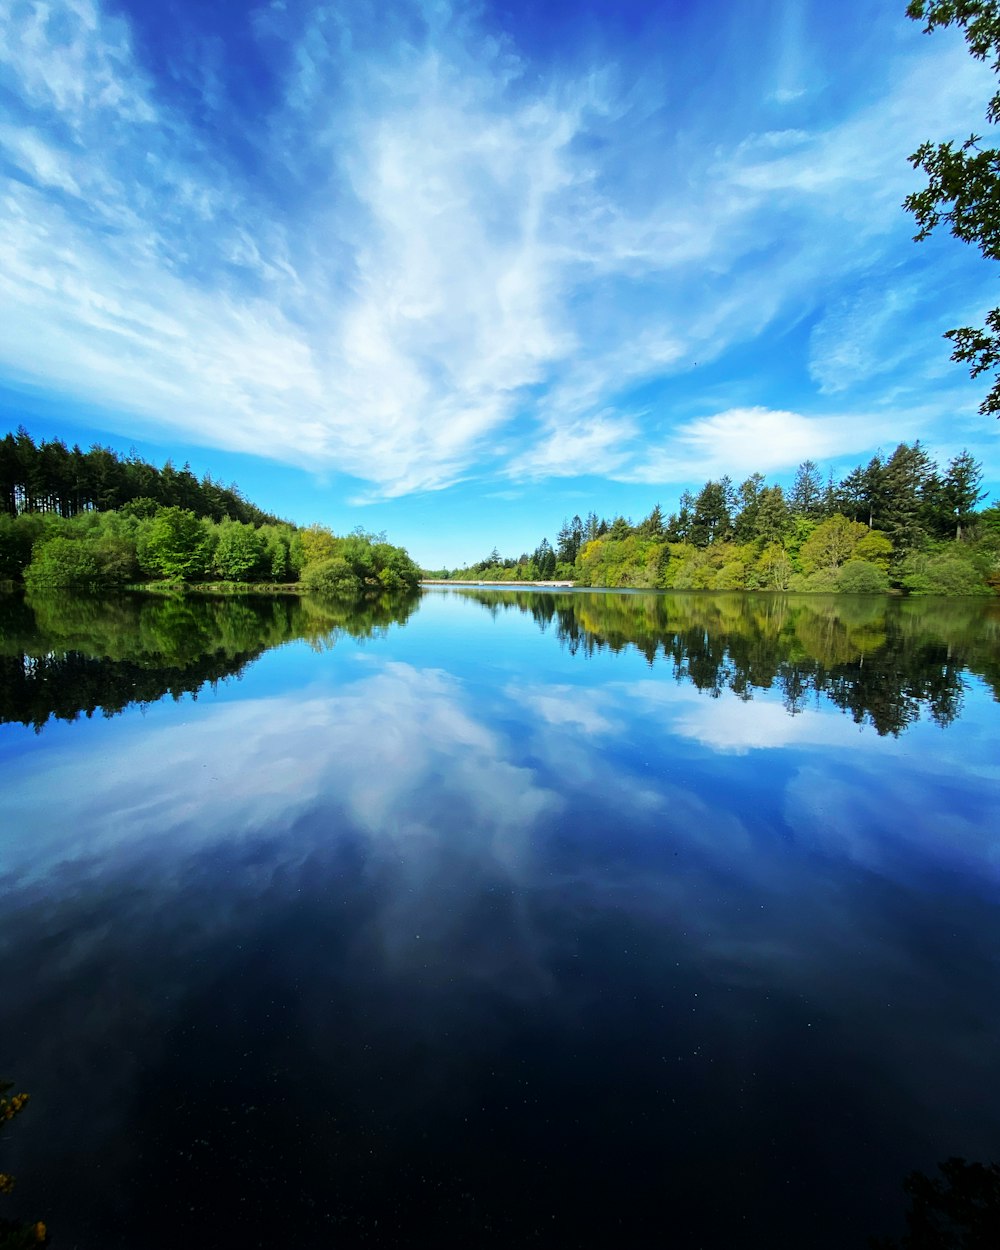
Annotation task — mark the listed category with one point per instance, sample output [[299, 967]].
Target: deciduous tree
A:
[[963, 182]]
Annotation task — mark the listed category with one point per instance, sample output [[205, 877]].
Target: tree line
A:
[[69, 518], [897, 521], [49, 477]]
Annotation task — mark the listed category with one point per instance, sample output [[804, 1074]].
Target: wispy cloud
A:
[[747, 440], [436, 260]]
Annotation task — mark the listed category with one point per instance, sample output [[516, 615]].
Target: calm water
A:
[[495, 919]]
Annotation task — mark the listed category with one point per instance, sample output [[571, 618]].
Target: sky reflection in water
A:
[[461, 932]]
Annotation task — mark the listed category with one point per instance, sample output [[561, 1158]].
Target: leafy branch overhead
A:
[[963, 188]]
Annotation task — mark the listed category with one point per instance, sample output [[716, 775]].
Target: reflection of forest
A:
[[881, 659], [61, 655]]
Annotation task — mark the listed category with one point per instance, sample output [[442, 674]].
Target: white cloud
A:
[[458, 250], [747, 440], [590, 445]]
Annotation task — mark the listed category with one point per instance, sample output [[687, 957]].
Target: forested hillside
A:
[[92, 519], [896, 522]]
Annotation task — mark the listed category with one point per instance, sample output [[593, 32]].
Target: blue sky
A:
[[459, 271]]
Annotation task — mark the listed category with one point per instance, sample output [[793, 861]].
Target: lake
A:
[[496, 917]]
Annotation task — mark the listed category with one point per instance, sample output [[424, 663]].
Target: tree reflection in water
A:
[[63, 656], [886, 661]]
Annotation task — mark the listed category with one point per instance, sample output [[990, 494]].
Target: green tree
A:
[[317, 542], [174, 544], [832, 543], [679, 522], [747, 507], [568, 540], [905, 478], [652, 526], [64, 562], [544, 561], [239, 552], [960, 490], [712, 520], [772, 518], [15, 547], [806, 496], [963, 182]]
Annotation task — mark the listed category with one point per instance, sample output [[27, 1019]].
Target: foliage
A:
[[316, 543], [13, 1235], [963, 183], [50, 477], [239, 554], [331, 577], [861, 577], [359, 562], [174, 544], [941, 573], [960, 1210], [64, 562], [754, 537], [831, 543]]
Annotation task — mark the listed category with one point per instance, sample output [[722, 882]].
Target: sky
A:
[[458, 271]]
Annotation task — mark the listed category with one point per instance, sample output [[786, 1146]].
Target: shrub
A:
[[64, 562], [861, 577], [941, 573], [331, 577]]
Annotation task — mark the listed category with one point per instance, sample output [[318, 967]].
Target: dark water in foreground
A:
[[580, 920]]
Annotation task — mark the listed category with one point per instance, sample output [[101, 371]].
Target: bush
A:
[[64, 562], [823, 581], [861, 577], [942, 573], [331, 577], [732, 576]]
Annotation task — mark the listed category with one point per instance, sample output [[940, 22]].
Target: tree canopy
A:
[[963, 180]]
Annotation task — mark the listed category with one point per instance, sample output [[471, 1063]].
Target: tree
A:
[[173, 544], [64, 562], [679, 523], [960, 490], [568, 540], [239, 552], [905, 479], [832, 543], [544, 560], [331, 577], [772, 518], [652, 526], [858, 577], [317, 543], [712, 521], [748, 505], [806, 496], [963, 187]]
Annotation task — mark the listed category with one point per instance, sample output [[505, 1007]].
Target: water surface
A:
[[496, 918]]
